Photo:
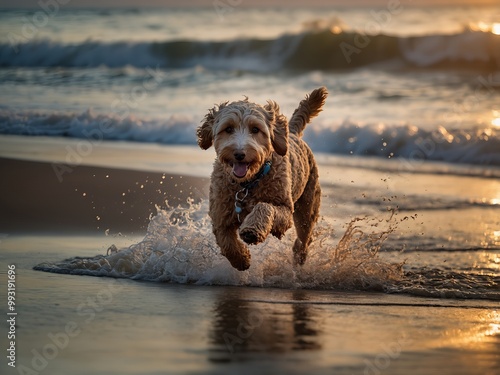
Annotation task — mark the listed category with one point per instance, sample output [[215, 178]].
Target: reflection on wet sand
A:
[[242, 326]]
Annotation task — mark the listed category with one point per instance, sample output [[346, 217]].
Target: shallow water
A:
[[404, 276], [434, 233], [180, 248], [422, 299], [122, 326]]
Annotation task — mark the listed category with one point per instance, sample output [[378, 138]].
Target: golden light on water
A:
[[487, 329], [495, 28], [495, 121], [336, 29]]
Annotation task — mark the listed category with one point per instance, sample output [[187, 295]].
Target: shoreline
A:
[[181, 327]]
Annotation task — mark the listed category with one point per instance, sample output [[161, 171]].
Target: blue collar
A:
[[264, 170]]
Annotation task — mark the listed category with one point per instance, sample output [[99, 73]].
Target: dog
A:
[[264, 176]]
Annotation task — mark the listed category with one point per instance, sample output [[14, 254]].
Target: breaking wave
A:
[[310, 50], [478, 146]]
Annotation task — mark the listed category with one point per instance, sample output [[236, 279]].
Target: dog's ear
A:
[[205, 131], [279, 128]]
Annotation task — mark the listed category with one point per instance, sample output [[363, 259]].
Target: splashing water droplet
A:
[[179, 247]]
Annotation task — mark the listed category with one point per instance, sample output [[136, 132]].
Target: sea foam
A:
[[476, 145], [319, 49], [179, 247]]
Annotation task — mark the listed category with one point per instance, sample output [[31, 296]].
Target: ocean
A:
[[409, 82], [403, 276]]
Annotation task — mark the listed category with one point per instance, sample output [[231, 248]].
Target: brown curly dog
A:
[[264, 175]]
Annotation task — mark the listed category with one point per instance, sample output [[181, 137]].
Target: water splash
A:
[[179, 247]]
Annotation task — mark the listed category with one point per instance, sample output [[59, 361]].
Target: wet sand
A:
[[90, 199], [127, 327], [101, 325]]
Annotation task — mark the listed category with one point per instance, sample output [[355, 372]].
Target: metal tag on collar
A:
[[238, 201]]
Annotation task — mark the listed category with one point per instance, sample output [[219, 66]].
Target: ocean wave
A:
[[92, 126], [480, 146], [410, 144], [436, 283], [327, 49], [412, 203]]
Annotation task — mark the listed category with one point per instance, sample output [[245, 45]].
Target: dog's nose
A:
[[239, 156]]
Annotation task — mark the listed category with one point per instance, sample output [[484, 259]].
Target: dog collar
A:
[[249, 185], [264, 170]]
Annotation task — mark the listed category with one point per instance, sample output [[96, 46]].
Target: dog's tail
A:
[[308, 108]]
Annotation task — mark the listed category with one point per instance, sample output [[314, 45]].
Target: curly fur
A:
[[245, 135]]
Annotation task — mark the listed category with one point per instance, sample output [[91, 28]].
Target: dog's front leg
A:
[[265, 218], [232, 248]]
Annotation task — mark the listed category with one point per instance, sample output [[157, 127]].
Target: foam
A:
[[180, 248], [316, 49], [477, 146]]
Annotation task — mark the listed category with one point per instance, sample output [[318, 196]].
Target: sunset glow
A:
[[495, 28], [485, 27]]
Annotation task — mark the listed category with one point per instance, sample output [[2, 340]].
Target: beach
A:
[[170, 313], [87, 199], [107, 257]]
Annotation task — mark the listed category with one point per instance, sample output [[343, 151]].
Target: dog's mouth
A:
[[240, 169]]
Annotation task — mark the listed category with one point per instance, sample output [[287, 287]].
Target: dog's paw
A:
[[250, 236], [299, 253], [299, 259], [278, 234], [241, 263]]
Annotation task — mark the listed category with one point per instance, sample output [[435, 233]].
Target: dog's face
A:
[[244, 135]]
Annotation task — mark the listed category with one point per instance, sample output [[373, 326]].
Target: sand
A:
[[101, 325], [89, 199], [127, 327]]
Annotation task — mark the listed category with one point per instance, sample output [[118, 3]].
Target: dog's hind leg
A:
[[305, 215]]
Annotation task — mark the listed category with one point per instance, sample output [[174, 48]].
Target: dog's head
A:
[[244, 135]]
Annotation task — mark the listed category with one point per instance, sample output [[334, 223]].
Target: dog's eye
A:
[[255, 130], [229, 130]]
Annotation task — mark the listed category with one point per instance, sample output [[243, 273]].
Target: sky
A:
[[210, 3]]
